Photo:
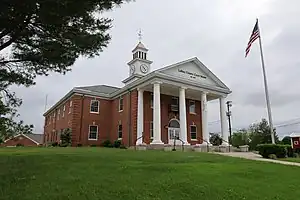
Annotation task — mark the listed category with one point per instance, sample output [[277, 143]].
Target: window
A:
[[54, 116], [151, 101], [120, 131], [70, 108], [64, 109], [192, 107], [94, 106], [50, 119], [193, 132], [174, 104], [121, 104], [93, 132], [58, 115], [151, 130]]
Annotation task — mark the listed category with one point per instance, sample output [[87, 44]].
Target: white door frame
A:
[[172, 131]]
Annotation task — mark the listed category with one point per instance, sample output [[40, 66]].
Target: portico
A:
[[192, 89]]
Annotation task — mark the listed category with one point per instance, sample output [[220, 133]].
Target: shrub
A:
[[79, 145], [20, 145], [296, 155], [273, 156], [54, 144], [63, 145], [117, 143], [266, 149], [93, 145], [107, 143]]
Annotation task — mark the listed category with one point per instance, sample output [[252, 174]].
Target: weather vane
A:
[[140, 35]]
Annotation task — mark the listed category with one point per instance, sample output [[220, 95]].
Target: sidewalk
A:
[[253, 156]]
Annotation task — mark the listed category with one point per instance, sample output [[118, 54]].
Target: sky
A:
[[215, 31]]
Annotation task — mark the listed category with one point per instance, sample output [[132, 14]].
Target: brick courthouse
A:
[[151, 108]]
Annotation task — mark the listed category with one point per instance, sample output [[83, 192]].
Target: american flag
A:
[[254, 36]]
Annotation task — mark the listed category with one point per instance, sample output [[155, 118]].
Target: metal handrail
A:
[[142, 136], [182, 144]]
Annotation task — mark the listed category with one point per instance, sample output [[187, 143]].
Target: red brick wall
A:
[[127, 117], [109, 116], [83, 118], [51, 130], [19, 140]]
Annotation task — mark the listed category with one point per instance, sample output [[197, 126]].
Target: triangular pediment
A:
[[195, 71]]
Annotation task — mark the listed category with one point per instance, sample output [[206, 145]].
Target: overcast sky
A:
[[217, 32]]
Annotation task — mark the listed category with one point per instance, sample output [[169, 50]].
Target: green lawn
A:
[[297, 160], [108, 174]]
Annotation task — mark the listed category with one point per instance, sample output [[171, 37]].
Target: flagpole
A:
[[266, 87]]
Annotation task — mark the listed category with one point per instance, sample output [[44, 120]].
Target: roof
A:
[[36, 138], [295, 135], [104, 89], [109, 92], [140, 45]]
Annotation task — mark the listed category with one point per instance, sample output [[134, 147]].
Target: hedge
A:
[[281, 151]]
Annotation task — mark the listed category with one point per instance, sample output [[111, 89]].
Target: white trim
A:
[[172, 120], [121, 98], [90, 132], [202, 67], [191, 132], [120, 124], [222, 90], [21, 134], [98, 108]]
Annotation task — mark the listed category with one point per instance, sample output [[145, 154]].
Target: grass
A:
[[108, 174], [297, 160]]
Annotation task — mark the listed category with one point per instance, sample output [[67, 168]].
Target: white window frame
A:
[[90, 133], [58, 114], [121, 98], [192, 112], [64, 109], [120, 138], [70, 107], [151, 130], [92, 101], [195, 139]]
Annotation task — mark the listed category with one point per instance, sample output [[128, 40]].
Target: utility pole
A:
[[229, 104]]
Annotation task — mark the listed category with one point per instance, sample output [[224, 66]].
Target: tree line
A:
[[256, 133]]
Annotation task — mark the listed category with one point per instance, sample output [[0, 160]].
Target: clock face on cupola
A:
[[139, 65]]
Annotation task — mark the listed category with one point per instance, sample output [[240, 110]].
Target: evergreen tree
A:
[[38, 37]]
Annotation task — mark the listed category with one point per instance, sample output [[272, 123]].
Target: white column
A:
[[156, 114], [182, 114], [224, 126], [205, 133], [140, 117]]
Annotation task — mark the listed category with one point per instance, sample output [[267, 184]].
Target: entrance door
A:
[[174, 132]]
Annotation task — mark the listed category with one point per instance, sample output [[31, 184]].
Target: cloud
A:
[[216, 32]]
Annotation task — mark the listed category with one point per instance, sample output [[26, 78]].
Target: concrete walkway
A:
[[254, 156]]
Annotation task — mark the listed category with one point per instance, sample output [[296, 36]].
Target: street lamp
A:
[[229, 104]]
